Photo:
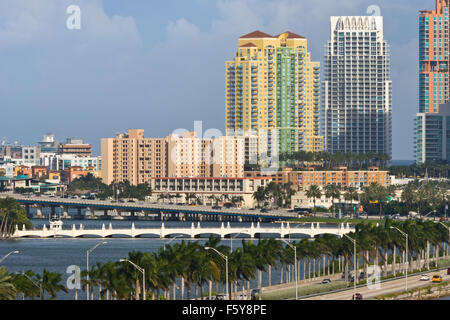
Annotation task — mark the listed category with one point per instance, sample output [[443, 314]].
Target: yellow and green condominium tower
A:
[[273, 96]]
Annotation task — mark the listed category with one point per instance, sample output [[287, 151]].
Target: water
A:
[[57, 254]]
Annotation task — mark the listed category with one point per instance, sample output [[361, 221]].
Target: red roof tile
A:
[[292, 35], [257, 34]]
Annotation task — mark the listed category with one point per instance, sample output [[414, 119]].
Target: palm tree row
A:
[[191, 270], [275, 194], [328, 160]]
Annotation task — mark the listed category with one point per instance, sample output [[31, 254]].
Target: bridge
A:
[[195, 231], [157, 211]]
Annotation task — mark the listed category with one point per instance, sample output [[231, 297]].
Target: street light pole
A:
[[406, 258], [296, 267], [226, 267], [87, 266], [354, 265], [142, 270], [6, 255], [448, 229], [166, 244], [231, 239], [34, 282]]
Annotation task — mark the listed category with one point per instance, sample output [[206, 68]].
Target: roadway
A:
[[147, 207], [387, 287]]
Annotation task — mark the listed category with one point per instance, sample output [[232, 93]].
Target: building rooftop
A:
[[292, 35], [256, 34]]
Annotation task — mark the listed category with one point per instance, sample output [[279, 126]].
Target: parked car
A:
[[424, 277], [254, 294], [436, 278], [325, 281], [264, 210], [220, 297], [131, 200], [357, 296], [217, 207]]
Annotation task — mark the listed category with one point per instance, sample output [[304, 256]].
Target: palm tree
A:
[[332, 191], [259, 195], [351, 194], [314, 193], [7, 289], [25, 286], [288, 192], [51, 283]]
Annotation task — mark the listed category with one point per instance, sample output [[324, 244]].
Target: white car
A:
[[424, 277]]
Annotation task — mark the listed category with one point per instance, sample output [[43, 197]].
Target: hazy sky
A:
[[159, 65]]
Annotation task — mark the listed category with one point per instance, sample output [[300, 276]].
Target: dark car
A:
[[121, 201], [220, 297], [217, 207], [264, 210], [131, 200], [325, 281], [254, 294], [357, 296]]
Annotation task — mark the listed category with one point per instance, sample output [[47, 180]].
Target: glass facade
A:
[[357, 87]]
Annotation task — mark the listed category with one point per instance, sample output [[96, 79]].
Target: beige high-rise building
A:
[[134, 158], [137, 159]]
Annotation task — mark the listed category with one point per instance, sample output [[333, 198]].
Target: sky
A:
[[159, 65]]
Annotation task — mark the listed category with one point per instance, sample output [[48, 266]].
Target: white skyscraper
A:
[[357, 89]]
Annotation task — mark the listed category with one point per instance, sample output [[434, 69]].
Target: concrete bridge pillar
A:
[[181, 216], [65, 212], [27, 209], [79, 216]]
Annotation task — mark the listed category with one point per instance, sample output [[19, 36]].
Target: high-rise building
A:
[[432, 141], [434, 82], [76, 147], [272, 94], [434, 58], [137, 159], [132, 157], [48, 144], [357, 89]]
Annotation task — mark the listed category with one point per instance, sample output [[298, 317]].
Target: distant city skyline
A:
[[159, 66]]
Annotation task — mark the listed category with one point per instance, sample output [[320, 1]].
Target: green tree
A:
[[51, 283], [7, 289], [314, 193]]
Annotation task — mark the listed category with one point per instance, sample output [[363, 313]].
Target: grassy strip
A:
[[303, 291]]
